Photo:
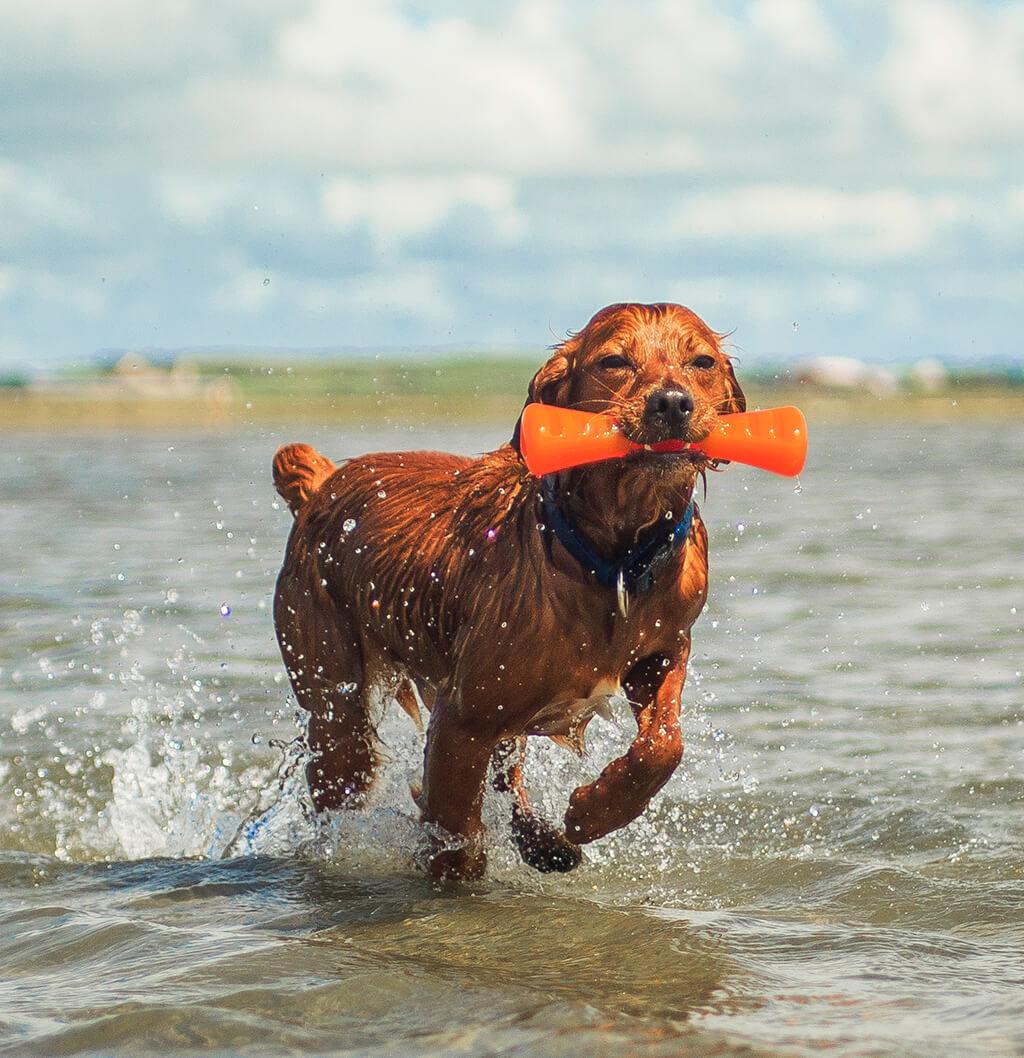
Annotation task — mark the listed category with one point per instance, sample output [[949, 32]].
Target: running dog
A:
[[510, 606]]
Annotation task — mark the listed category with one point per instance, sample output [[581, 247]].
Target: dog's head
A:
[[658, 369]]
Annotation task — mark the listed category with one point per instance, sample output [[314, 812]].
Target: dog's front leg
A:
[[542, 846], [454, 771], [624, 789]]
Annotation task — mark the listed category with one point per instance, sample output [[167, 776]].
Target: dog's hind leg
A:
[[541, 845], [324, 659], [455, 761]]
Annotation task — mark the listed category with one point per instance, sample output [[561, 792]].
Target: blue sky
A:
[[843, 178]]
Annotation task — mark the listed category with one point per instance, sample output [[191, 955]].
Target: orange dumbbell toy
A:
[[553, 439]]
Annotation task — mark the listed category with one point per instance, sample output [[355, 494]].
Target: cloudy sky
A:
[[842, 177]]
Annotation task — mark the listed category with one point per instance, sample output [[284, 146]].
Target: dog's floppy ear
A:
[[551, 383], [736, 401]]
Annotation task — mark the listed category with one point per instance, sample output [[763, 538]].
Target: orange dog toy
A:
[[553, 439]]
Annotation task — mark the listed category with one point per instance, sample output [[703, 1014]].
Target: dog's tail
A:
[[299, 470]]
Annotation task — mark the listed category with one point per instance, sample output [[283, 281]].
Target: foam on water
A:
[[173, 783]]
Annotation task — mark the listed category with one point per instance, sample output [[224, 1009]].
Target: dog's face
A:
[[659, 369]]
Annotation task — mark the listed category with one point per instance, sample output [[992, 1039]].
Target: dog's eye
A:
[[703, 362], [614, 362]]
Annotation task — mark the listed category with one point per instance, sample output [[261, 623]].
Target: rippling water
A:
[[838, 865]]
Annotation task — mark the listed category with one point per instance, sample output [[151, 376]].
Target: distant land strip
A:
[[134, 394]]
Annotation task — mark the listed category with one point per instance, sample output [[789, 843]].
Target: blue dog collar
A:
[[632, 572]]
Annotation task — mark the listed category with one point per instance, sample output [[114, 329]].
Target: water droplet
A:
[[225, 610], [381, 494], [266, 281], [348, 524]]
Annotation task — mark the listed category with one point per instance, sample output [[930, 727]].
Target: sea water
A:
[[838, 865]]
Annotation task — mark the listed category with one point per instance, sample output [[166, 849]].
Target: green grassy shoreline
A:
[[388, 393]]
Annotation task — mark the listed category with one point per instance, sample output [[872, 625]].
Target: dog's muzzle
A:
[[667, 412]]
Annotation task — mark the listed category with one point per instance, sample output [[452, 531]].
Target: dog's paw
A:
[[450, 857], [456, 865], [542, 846]]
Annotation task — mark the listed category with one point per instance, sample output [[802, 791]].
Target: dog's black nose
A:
[[670, 408]]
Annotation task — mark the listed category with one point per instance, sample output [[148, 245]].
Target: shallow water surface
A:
[[838, 865]]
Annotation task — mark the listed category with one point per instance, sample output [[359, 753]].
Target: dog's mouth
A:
[[666, 454], [663, 451]]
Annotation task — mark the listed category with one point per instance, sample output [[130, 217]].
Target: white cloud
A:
[[362, 85], [796, 28], [109, 40], [187, 151], [725, 300], [673, 86], [985, 286], [728, 302], [661, 85], [397, 206], [955, 72], [55, 291], [258, 206], [195, 200], [246, 290], [664, 64], [31, 200], [825, 221], [416, 291]]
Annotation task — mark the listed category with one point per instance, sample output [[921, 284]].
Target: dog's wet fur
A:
[[424, 576]]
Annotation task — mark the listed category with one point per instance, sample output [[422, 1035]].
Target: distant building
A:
[[134, 378], [845, 372], [929, 375]]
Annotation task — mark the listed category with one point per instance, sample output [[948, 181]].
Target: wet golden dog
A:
[[507, 607]]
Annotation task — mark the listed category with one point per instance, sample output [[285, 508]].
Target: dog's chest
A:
[[565, 716]]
